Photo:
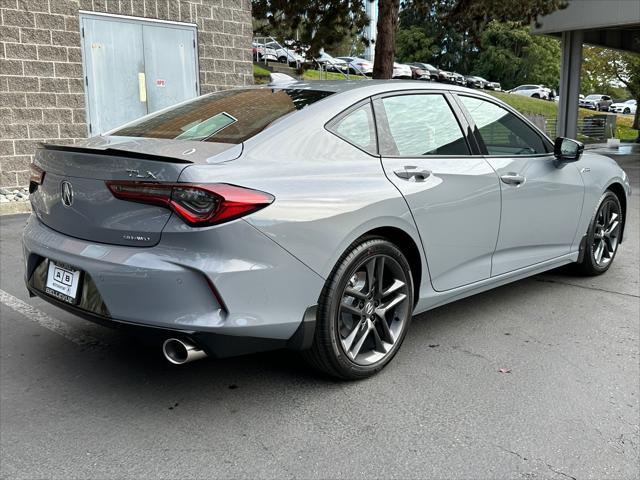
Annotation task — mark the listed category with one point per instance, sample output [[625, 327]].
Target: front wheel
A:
[[627, 111], [364, 311], [603, 236]]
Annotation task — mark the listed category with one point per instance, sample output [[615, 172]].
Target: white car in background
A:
[[285, 55], [263, 53], [401, 70], [533, 91], [358, 65], [330, 64], [628, 107]]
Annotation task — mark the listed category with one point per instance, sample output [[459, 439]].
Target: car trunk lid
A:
[[74, 199]]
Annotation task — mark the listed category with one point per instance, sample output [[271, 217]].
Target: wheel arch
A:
[[619, 191], [407, 246]]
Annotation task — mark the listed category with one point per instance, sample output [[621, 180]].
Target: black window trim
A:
[[331, 124], [382, 125], [476, 133]]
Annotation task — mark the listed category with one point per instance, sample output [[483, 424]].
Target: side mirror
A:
[[567, 150]]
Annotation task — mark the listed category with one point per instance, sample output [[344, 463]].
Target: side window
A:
[[358, 128], [421, 125], [502, 132]]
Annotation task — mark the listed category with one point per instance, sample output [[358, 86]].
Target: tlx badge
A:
[[137, 174]]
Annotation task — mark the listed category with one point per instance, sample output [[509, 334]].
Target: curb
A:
[[11, 208]]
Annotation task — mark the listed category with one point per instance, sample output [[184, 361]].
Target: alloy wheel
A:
[[373, 309], [606, 233]]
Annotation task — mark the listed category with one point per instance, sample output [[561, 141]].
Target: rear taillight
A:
[[36, 177], [199, 205]]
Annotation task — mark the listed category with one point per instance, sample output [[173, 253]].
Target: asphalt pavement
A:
[[81, 401]]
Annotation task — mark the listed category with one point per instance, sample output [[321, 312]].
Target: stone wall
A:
[[41, 85]]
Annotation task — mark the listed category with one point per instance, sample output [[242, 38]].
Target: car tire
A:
[[535, 95], [627, 111], [351, 341], [282, 60], [603, 236]]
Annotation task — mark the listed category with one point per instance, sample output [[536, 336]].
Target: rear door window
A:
[[421, 125], [231, 116]]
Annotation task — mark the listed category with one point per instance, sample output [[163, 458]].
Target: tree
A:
[[314, 24], [467, 18], [386, 38], [511, 55], [413, 44]]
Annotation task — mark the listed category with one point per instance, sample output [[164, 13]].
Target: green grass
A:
[[260, 74], [315, 75], [623, 128]]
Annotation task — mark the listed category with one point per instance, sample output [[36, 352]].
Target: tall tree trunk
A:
[[386, 38]]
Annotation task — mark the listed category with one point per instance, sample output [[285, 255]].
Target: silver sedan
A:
[[315, 216]]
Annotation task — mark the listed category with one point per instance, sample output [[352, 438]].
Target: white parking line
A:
[[45, 320]]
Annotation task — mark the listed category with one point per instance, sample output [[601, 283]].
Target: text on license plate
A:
[[62, 282]]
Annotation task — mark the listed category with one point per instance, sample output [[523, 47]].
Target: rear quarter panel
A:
[[328, 192]]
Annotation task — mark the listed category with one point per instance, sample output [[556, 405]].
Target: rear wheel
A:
[[603, 236], [627, 110], [364, 311]]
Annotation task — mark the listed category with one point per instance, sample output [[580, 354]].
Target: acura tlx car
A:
[[315, 216]]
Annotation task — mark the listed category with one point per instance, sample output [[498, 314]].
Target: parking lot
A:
[[82, 401]]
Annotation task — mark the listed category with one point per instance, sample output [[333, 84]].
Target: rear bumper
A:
[[205, 284]]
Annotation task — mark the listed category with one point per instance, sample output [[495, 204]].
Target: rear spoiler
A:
[[112, 152]]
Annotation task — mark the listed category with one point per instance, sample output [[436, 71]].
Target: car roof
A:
[[368, 87]]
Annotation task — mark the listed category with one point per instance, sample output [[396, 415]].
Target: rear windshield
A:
[[231, 116]]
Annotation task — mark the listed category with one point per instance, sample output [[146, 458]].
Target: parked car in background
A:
[[493, 86], [423, 70], [628, 107], [458, 79], [262, 53], [358, 65], [473, 81], [330, 64], [596, 101], [400, 70], [533, 91], [285, 55], [445, 77]]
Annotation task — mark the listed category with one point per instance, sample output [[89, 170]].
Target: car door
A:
[[453, 193], [541, 198]]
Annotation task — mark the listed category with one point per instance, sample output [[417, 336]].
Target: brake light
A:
[[199, 205], [36, 177]]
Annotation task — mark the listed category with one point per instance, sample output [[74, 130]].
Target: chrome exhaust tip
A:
[[180, 352]]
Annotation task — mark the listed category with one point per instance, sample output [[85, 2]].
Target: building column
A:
[[570, 65]]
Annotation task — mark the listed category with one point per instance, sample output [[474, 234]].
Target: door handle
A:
[[513, 179], [409, 172]]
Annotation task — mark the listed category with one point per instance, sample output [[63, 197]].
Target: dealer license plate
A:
[[62, 282]]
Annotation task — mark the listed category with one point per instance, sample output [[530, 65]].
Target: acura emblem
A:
[[67, 194]]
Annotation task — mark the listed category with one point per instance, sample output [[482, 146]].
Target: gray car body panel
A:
[[167, 285], [271, 265]]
